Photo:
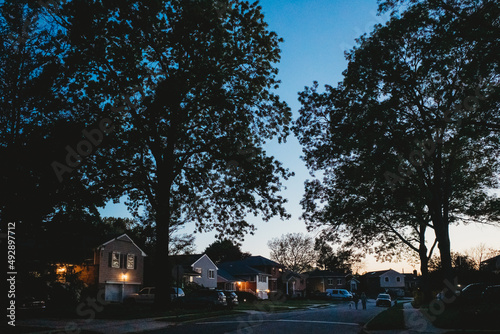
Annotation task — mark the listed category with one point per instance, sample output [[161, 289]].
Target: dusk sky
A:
[[316, 34]]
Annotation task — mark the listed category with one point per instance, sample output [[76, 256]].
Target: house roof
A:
[[492, 260], [189, 261], [379, 273], [325, 273], [123, 237], [239, 268], [260, 261], [224, 276]]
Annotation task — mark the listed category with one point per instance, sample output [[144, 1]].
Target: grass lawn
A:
[[392, 318]]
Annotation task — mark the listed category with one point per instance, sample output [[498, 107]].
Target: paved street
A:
[[338, 318]]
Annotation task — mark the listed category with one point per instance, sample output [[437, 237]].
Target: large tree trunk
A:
[[443, 236], [424, 282], [163, 270], [163, 265]]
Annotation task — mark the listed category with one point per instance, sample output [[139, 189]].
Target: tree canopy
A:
[[225, 250], [409, 139], [186, 89], [295, 251]]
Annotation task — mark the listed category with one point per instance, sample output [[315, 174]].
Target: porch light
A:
[[239, 283], [257, 290], [124, 277], [268, 290]]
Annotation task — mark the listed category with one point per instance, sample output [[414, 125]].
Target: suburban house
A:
[[294, 284], [320, 280], [269, 267], [491, 264], [255, 274], [196, 268], [117, 268], [389, 281], [412, 282], [352, 283]]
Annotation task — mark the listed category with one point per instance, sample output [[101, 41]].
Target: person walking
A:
[[363, 300], [355, 299]]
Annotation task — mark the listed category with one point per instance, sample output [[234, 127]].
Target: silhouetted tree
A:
[[295, 251], [408, 141], [225, 250]]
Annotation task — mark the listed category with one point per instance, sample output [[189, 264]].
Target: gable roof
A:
[[188, 261], [379, 273], [123, 237], [239, 268], [492, 260], [224, 276]]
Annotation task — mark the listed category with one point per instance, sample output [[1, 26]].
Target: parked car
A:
[[203, 298], [383, 299], [31, 304], [244, 296], [472, 294], [492, 294], [147, 295], [338, 294], [231, 298]]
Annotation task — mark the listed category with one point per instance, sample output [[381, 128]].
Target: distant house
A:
[[294, 284], [491, 264], [412, 282], [119, 263], [255, 274], [389, 281], [196, 268], [320, 280]]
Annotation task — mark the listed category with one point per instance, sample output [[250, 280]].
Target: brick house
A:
[[320, 280], [117, 267]]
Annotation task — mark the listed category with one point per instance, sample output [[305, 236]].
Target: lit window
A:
[[115, 260], [130, 261]]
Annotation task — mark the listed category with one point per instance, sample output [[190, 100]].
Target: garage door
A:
[[113, 292]]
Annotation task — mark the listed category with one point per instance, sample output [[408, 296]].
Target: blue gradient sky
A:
[[316, 34]]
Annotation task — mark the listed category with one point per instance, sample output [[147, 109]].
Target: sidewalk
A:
[[415, 321], [96, 325]]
